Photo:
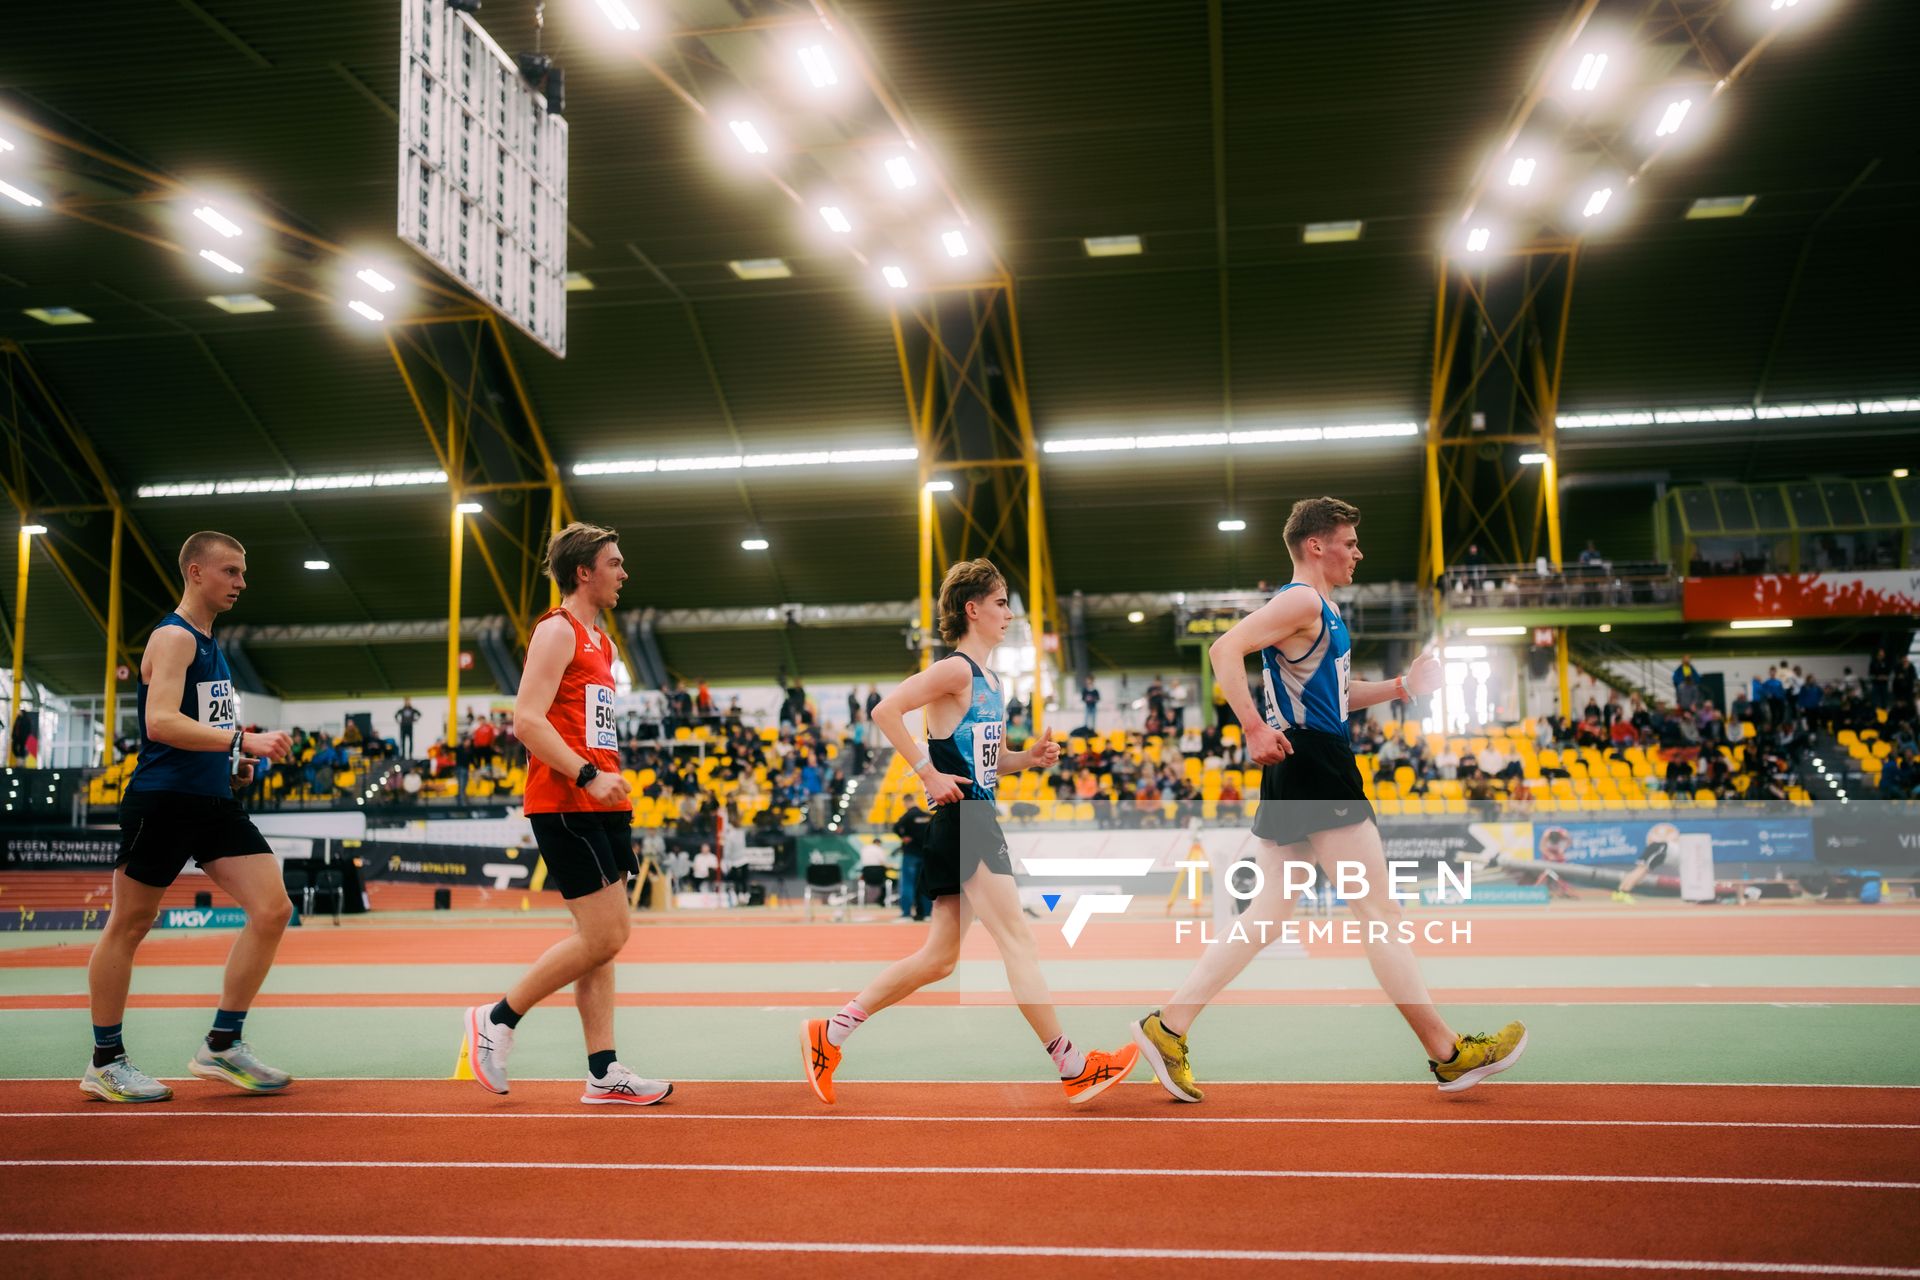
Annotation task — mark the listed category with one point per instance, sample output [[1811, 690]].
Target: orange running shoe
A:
[[1103, 1071], [820, 1056]]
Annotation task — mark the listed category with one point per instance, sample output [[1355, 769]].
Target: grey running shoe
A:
[[121, 1081], [622, 1085], [238, 1067]]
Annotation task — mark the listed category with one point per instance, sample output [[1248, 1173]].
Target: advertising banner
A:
[[1865, 594], [1870, 833], [58, 849], [1623, 843], [441, 863]]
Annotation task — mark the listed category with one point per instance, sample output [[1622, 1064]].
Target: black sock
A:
[[598, 1063], [103, 1055], [504, 1015], [221, 1041], [1452, 1057]]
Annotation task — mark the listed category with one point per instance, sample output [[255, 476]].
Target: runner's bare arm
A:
[[547, 656], [944, 679], [169, 654], [1273, 623]]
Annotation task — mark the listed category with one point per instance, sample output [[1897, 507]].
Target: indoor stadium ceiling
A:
[[1055, 120]]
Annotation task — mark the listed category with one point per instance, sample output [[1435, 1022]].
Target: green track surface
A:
[[1746, 1044]]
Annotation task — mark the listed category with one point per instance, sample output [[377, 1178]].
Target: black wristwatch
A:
[[588, 772]]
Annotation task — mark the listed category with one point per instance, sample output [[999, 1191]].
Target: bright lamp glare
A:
[[1532, 459], [33, 530], [317, 565], [12, 192], [836, 221], [749, 136], [222, 261], [1136, 616], [619, 15], [1596, 202], [364, 311], [1521, 174], [5, 145], [1477, 239], [939, 486], [1231, 526], [1496, 631], [901, 173], [1761, 624], [374, 278], [956, 244], [753, 544], [818, 66], [1587, 77], [218, 221], [1670, 121], [467, 508], [894, 276]]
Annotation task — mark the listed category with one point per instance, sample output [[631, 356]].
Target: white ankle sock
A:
[[1067, 1060], [845, 1023]]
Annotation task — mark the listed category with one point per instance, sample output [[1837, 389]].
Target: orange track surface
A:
[[1496, 1141], [1732, 932]]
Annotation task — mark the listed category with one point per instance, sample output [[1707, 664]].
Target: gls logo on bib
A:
[[599, 719], [218, 706]]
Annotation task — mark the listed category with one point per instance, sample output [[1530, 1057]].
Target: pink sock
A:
[[845, 1023]]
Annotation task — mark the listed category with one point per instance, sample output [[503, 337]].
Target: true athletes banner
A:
[[1868, 594], [441, 863]]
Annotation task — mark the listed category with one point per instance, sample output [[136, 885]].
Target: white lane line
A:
[[972, 1250], [160, 1111], [968, 1170]]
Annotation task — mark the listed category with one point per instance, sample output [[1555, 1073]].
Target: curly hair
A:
[[967, 581]]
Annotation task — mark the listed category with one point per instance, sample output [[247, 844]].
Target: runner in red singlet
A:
[[581, 815]]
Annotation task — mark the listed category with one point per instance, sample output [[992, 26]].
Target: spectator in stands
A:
[[1679, 775], [873, 699], [1880, 678], [681, 703], [1590, 732], [1621, 734], [406, 717], [1614, 710], [703, 702], [1446, 763], [1685, 673], [1773, 693], [1146, 802], [1391, 755], [1591, 555], [1223, 712], [1849, 682], [853, 705], [482, 756], [1481, 796], [1900, 708], [1230, 804], [1177, 701], [1090, 699], [1592, 709]]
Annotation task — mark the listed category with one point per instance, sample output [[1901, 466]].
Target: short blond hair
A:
[[574, 548], [1316, 518], [966, 582], [201, 543]]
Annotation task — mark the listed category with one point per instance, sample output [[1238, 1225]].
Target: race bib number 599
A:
[[218, 706], [599, 719]]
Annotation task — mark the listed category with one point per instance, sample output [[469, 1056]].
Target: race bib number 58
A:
[[987, 753], [599, 719], [218, 706]]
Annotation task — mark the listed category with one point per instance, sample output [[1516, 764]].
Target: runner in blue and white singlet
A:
[[972, 751], [1310, 692]]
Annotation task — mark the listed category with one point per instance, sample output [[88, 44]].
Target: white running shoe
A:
[[621, 1085], [121, 1081], [488, 1046]]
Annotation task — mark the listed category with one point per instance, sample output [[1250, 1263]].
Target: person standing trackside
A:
[[912, 828], [406, 717]]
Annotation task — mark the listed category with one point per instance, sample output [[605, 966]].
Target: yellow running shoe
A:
[[1102, 1072], [1478, 1056], [819, 1056], [1166, 1053]]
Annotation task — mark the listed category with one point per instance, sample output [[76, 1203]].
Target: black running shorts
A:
[[1317, 788], [962, 838], [161, 830], [585, 851]]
